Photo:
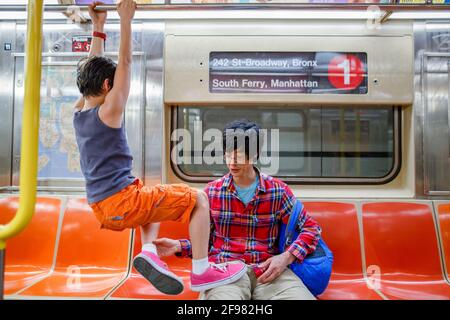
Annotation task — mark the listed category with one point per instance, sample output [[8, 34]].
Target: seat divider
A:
[[437, 226], [129, 267], [359, 214]]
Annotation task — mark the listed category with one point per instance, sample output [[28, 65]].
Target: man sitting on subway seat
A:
[[246, 208]]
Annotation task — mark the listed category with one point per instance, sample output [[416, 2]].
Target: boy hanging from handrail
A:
[[118, 199]]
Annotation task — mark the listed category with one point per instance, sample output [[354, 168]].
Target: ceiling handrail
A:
[[256, 6]]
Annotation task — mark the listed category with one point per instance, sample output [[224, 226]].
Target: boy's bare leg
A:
[[149, 233], [199, 227], [204, 275], [159, 275]]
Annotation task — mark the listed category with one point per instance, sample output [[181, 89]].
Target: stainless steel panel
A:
[[436, 130], [434, 58], [285, 27], [134, 112], [7, 35], [153, 44], [438, 36]]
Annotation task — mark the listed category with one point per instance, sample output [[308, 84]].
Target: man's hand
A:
[[126, 9], [167, 247], [275, 266], [98, 17]]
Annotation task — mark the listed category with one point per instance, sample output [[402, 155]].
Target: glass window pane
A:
[[320, 142], [58, 150], [357, 142]]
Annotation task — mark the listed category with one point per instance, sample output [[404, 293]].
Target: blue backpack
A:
[[315, 270]]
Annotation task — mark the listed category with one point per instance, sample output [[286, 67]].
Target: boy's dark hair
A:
[[244, 135], [92, 72]]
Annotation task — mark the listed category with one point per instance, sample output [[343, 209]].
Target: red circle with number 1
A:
[[346, 71]]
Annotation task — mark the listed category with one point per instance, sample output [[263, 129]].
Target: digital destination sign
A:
[[288, 72]]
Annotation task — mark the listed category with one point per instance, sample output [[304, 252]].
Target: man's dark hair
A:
[[243, 135], [92, 72]]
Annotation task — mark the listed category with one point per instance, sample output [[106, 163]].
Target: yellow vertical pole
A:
[[30, 127]]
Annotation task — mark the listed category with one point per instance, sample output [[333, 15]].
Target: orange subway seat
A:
[[340, 231], [347, 281], [136, 287], [90, 261], [400, 241], [29, 255], [444, 225]]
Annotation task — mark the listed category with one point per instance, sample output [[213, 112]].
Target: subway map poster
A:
[[58, 151]]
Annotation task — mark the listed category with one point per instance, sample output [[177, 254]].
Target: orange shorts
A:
[[138, 205]]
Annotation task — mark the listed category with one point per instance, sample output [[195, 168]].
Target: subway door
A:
[[436, 90], [7, 47]]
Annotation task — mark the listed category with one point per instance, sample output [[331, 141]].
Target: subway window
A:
[[58, 151], [317, 144], [58, 155]]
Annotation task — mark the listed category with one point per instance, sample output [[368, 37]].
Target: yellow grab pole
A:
[[30, 125]]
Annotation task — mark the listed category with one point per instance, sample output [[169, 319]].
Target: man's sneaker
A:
[[157, 272], [218, 275]]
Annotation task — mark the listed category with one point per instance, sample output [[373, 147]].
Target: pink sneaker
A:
[[157, 272], [218, 275]]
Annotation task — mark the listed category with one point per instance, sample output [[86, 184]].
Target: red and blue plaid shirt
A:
[[250, 233]]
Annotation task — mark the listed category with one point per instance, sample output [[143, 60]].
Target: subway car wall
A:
[[356, 121], [386, 139]]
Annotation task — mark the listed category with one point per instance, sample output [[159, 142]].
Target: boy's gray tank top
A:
[[105, 156]]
